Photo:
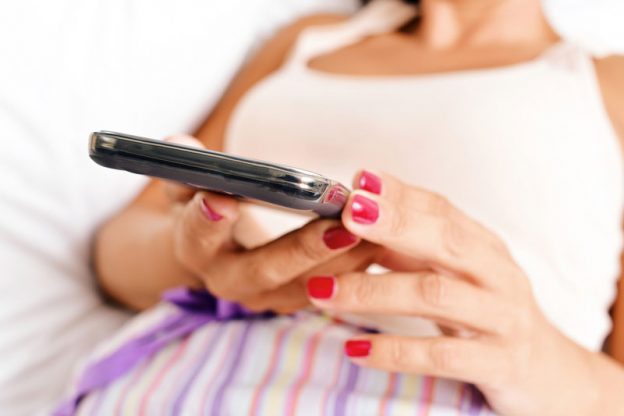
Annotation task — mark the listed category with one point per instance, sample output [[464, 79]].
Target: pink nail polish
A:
[[321, 287], [338, 237], [370, 182], [358, 348], [209, 212], [364, 210]]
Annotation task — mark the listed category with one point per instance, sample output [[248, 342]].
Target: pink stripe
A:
[[207, 347], [310, 354], [334, 383], [273, 364], [427, 395], [223, 360], [123, 394], [461, 396], [179, 353], [390, 390]]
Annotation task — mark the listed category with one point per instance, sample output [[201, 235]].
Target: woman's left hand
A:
[[451, 269]]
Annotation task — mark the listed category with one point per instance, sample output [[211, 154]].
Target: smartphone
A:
[[279, 185]]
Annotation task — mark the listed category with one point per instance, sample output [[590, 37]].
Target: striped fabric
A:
[[283, 366]]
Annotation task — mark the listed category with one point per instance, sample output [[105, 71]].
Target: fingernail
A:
[[321, 287], [209, 212], [338, 237], [370, 182], [364, 210], [357, 348]]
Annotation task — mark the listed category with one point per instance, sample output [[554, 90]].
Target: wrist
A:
[[135, 261]]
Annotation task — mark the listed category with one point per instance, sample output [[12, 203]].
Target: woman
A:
[[503, 227]]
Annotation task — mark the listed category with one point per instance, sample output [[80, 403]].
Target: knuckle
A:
[[444, 356], [433, 290], [435, 204], [308, 248], [363, 290], [219, 287], [453, 237], [183, 251], [398, 222], [264, 274], [191, 248], [204, 242], [397, 354]]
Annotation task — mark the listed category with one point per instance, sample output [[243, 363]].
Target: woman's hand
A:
[[270, 277], [450, 269]]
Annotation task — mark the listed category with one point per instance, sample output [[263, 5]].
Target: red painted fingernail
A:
[[321, 287], [357, 348], [370, 182], [338, 237], [364, 210], [209, 212]]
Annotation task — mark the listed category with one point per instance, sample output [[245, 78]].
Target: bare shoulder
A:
[[610, 73], [286, 37], [268, 59]]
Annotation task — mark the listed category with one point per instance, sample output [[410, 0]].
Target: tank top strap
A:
[[378, 17]]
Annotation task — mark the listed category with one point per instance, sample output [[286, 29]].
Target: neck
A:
[[448, 24]]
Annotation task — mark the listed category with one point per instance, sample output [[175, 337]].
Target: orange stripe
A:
[[179, 352], [427, 396], [334, 383], [123, 395], [307, 366], [392, 383], [223, 360], [460, 398], [279, 339]]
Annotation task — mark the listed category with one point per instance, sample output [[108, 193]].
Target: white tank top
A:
[[527, 149]]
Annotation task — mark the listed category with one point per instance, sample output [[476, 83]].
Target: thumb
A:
[[203, 227]]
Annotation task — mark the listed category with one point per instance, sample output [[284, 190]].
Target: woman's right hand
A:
[[269, 277]]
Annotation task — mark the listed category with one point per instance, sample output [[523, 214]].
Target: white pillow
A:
[[596, 25], [70, 67]]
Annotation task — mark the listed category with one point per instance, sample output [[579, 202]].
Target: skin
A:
[[172, 242], [452, 270], [514, 354]]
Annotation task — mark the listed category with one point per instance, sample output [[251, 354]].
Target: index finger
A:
[[426, 226], [284, 259]]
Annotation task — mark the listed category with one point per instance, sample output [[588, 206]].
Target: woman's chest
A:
[[450, 134]]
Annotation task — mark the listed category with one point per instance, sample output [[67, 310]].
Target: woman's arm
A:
[[134, 253], [610, 73], [616, 341], [611, 76]]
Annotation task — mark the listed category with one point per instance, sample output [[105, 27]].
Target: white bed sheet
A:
[[69, 67]]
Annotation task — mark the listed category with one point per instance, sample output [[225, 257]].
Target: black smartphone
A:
[[275, 184]]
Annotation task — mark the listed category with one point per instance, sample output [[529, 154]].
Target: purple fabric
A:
[[477, 402], [195, 309], [182, 395], [340, 408], [236, 357]]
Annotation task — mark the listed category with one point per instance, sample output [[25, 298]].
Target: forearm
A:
[[134, 257]]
